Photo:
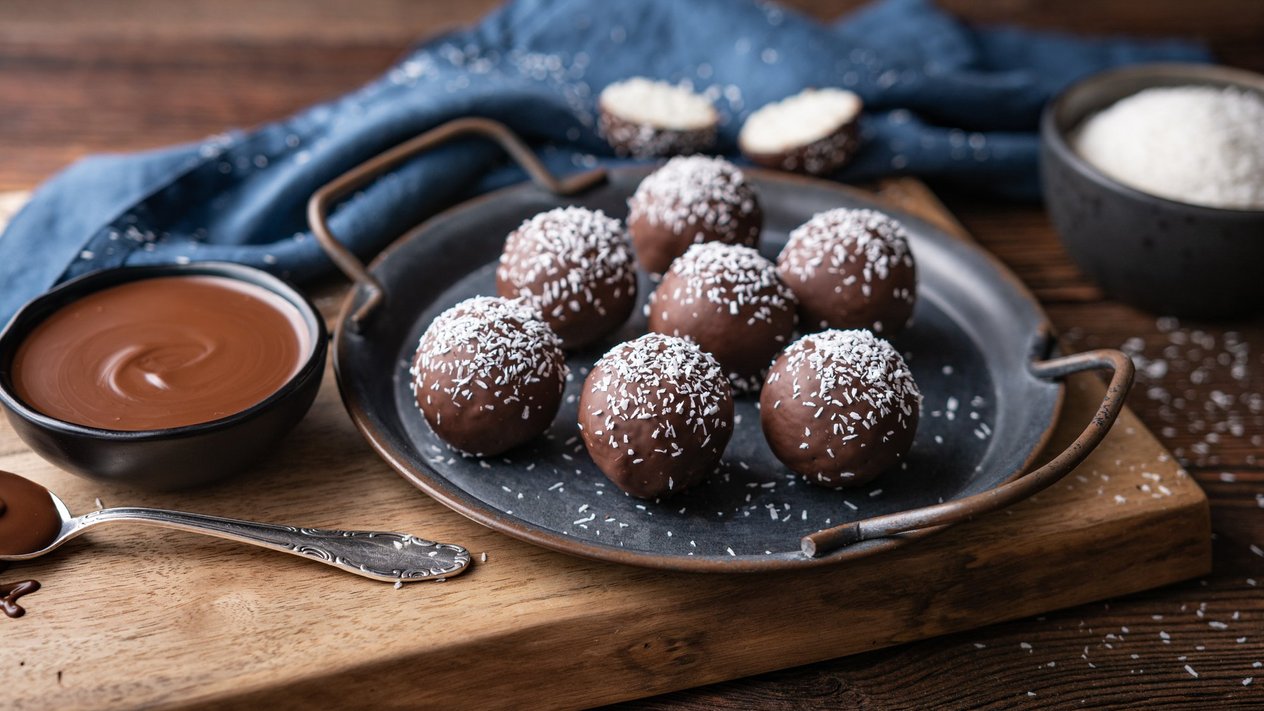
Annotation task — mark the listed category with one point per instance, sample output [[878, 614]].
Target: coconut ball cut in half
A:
[[655, 415], [576, 265], [643, 118], [691, 200], [488, 375], [851, 269], [729, 300], [815, 131], [840, 407]]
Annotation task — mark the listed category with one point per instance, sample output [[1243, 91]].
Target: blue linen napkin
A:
[[943, 101]]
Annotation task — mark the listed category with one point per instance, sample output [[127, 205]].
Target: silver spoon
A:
[[391, 557]]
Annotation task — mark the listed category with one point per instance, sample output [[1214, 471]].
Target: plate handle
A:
[[949, 512], [359, 176]]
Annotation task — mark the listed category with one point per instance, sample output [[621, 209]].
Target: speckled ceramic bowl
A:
[[1161, 255]]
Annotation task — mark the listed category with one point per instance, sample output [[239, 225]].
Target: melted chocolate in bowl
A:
[[161, 352], [29, 520]]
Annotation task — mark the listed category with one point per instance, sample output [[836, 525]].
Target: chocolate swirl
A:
[[161, 352]]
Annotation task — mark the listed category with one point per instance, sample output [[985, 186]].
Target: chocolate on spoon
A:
[[34, 522]]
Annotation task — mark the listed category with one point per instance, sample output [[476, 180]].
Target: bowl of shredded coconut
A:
[[1154, 177]]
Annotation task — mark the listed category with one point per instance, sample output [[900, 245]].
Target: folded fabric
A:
[[943, 100]]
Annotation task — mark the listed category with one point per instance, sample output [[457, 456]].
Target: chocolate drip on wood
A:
[[10, 593]]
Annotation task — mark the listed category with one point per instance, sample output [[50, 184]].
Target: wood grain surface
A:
[[127, 74]]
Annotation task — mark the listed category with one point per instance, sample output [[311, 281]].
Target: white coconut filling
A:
[[658, 104], [799, 120]]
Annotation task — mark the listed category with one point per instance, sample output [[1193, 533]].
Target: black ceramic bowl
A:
[[1165, 256], [175, 458]]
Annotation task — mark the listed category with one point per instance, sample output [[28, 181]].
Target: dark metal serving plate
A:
[[971, 345]]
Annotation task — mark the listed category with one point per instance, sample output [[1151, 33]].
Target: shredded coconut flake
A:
[[731, 276], [1195, 144], [697, 194], [557, 258], [653, 373], [846, 242], [838, 359]]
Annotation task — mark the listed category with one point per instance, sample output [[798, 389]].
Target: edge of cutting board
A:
[[131, 617]]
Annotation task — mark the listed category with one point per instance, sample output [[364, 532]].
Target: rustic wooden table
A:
[[115, 75]]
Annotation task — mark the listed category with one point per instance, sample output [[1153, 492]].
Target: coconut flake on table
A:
[[1195, 144], [798, 120], [1195, 384]]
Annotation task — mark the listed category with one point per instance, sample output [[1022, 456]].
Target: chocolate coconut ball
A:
[[576, 265], [655, 415], [729, 300], [815, 131], [840, 407], [851, 269], [488, 375], [691, 200], [642, 118]]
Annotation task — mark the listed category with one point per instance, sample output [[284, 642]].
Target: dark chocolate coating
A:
[[851, 269], [655, 415], [691, 200], [820, 157], [640, 140], [489, 375], [577, 266], [839, 408], [729, 300]]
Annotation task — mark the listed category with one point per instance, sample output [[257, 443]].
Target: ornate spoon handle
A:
[[381, 555]]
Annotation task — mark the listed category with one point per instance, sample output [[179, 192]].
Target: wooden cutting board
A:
[[138, 617]]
